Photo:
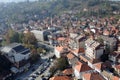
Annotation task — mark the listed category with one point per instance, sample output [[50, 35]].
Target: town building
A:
[[18, 55]]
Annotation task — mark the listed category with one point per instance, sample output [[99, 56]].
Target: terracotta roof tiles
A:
[[93, 76], [81, 67], [60, 78], [68, 71], [70, 56]]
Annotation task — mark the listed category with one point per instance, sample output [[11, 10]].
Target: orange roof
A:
[[117, 66], [59, 48], [60, 78], [80, 50], [61, 39], [87, 75], [70, 56], [83, 58], [116, 78], [81, 67], [68, 71], [98, 65], [93, 76]]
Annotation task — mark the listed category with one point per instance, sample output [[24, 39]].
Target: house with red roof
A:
[[92, 76], [60, 51], [81, 68]]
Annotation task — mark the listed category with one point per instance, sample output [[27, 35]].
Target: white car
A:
[[30, 78]]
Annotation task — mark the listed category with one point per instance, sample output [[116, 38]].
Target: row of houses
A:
[[86, 61], [85, 50]]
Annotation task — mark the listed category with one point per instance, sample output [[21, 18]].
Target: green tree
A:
[[34, 57], [12, 36], [62, 63], [100, 40], [40, 50], [29, 38], [53, 69]]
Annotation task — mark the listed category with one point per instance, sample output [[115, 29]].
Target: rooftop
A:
[[93, 76], [81, 67], [70, 56], [60, 78]]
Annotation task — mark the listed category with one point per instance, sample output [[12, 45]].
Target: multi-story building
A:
[[18, 55], [93, 49]]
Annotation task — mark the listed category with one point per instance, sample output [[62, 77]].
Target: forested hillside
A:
[[24, 11]]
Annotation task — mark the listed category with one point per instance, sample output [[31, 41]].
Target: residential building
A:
[[60, 78], [18, 55], [80, 69], [68, 72], [109, 42], [115, 57], [92, 76], [93, 49], [60, 51]]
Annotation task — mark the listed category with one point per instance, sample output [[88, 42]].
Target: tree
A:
[[62, 63], [100, 40], [34, 57], [12, 36], [53, 69], [29, 38]]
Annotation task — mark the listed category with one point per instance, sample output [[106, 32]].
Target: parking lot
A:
[[38, 70]]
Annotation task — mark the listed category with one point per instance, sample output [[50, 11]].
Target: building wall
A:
[[111, 58], [16, 57], [89, 52], [21, 69], [77, 74], [98, 53], [90, 64], [57, 53], [38, 34]]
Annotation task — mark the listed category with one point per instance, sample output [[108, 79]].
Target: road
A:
[[24, 75], [37, 67]]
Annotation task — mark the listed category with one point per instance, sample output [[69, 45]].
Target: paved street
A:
[[42, 64]]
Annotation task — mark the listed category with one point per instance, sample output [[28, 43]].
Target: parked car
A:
[[38, 72], [30, 78]]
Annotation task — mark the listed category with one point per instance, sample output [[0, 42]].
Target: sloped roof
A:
[[60, 78], [68, 71], [81, 67], [70, 56], [93, 76], [98, 65], [59, 48]]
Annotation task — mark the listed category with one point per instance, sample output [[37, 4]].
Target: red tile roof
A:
[[80, 50], [70, 56], [68, 71], [60, 78], [93, 76], [98, 65], [117, 66], [61, 39], [81, 67], [59, 48], [116, 78]]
